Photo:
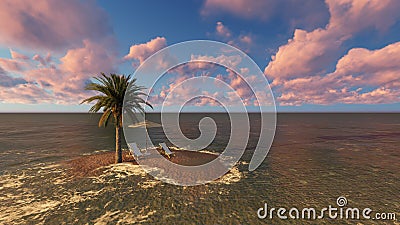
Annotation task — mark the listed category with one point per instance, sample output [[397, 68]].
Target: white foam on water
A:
[[44, 166], [208, 152], [123, 171], [59, 181], [106, 217], [233, 176], [11, 214], [176, 148], [81, 197], [115, 172], [118, 171], [96, 152], [147, 124], [10, 182], [148, 184], [227, 161], [128, 169], [11, 196], [14, 180], [125, 217]]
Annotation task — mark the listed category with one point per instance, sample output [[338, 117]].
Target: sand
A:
[[90, 165]]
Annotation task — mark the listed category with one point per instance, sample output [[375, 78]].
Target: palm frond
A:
[[105, 118], [113, 88]]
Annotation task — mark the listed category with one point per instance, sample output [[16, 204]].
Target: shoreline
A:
[[91, 165]]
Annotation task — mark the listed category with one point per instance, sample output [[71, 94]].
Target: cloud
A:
[[307, 53], [299, 68], [16, 55], [56, 27], [141, 52], [350, 16], [51, 24], [194, 67], [310, 53], [371, 67], [61, 81], [76, 32], [362, 76], [242, 8], [178, 91], [88, 59], [42, 60], [232, 61], [27, 94], [197, 68], [306, 13], [222, 30], [242, 41], [8, 81], [240, 86], [12, 64]]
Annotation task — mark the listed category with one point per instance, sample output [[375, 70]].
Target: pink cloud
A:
[[51, 24], [380, 95], [59, 28], [306, 13], [27, 94], [240, 86], [195, 67], [243, 41], [242, 8], [246, 39], [199, 67], [91, 58], [299, 67], [222, 30], [371, 67], [12, 64], [40, 59], [17, 55], [362, 76], [309, 53], [231, 61], [8, 81], [350, 16], [141, 52], [60, 83], [178, 92]]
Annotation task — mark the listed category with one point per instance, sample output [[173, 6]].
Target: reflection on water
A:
[[315, 158]]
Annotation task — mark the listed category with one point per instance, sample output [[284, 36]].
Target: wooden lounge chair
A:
[[167, 151], [135, 151]]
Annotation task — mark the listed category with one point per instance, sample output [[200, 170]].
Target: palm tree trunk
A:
[[118, 150]]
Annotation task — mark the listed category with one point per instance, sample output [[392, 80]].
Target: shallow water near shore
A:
[[315, 158]]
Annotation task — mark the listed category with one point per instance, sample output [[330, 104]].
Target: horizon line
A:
[[350, 112]]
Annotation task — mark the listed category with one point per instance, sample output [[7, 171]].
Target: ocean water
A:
[[314, 159]]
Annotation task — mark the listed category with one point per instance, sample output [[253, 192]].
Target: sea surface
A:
[[314, 159]]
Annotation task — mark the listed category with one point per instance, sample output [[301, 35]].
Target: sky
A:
[[318, 56]]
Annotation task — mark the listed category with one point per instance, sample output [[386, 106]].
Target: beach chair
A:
[[166, 150], [135, 151]]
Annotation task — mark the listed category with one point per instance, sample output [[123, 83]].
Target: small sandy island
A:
[[90, 165]]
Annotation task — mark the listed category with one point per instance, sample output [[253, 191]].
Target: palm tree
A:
[[111, 100]]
